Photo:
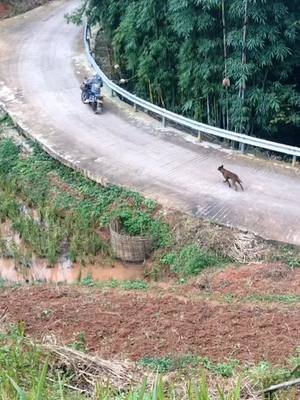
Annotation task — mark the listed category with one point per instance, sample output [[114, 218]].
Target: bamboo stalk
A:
[[280, 386]]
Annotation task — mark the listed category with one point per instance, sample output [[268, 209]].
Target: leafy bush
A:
[[167, 364], [191, 260]]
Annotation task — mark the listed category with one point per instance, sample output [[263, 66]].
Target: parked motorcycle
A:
[[91, 94]]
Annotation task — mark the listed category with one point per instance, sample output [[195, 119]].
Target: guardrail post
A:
[[294, 161], [135, 107], [242, 148], [163, 121], [88, 43], [112, 93], [199, 136]]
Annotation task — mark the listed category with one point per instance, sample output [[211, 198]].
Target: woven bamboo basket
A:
[[129, 248]]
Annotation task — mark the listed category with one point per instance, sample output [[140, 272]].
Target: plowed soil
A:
[[158, 323], [252, 279]]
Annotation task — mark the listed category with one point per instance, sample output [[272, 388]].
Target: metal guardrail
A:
[[199, 127]]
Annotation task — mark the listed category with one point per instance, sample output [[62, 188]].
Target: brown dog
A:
[[230, 175]]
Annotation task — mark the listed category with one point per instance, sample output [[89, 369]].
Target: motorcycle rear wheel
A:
[[94, 106], [84, 96], [98, 109]]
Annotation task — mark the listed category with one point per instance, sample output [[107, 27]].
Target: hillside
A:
[[12, 7], [231, 64]]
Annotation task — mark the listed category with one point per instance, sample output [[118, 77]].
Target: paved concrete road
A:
[[40, 86]]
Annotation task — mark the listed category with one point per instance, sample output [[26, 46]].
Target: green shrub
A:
[[135, 285], [191, 260]]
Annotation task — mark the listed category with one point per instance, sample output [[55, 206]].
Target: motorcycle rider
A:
[[93, 86]]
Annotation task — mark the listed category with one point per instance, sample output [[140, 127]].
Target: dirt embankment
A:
[[263, 280], [167, 322], [13, 7]]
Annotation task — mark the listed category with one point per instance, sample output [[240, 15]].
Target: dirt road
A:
[[41, 60]]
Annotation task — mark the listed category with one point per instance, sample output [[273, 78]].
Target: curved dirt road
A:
[[40, 69]]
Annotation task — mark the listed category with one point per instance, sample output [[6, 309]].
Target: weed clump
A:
[[191, 260]]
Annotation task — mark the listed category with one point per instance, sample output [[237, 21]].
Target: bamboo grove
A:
[[234, 64]]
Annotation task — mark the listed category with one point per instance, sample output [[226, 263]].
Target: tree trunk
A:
[[226, 113], [244, 61], [244, 48], [208, 109]]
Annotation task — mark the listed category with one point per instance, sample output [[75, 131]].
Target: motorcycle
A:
[[91, 94]]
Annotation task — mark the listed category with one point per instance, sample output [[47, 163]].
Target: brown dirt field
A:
[[140, 324], [274, 278]]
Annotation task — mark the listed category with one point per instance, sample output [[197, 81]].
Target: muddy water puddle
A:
[[38, 269], [66, 272]]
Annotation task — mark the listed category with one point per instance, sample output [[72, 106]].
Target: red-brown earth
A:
[[169, 322]]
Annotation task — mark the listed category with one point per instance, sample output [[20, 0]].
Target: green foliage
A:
[[191, 260], [136, 222], [80, 342], [230, 298], [274, 298], [167, 364], [22, 373], [265, 375], [289, 255], [177, 53], [168, 259], [225, 370], [88, 280], [162, 365], [295, 364], [135, 285], [115, 284]]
